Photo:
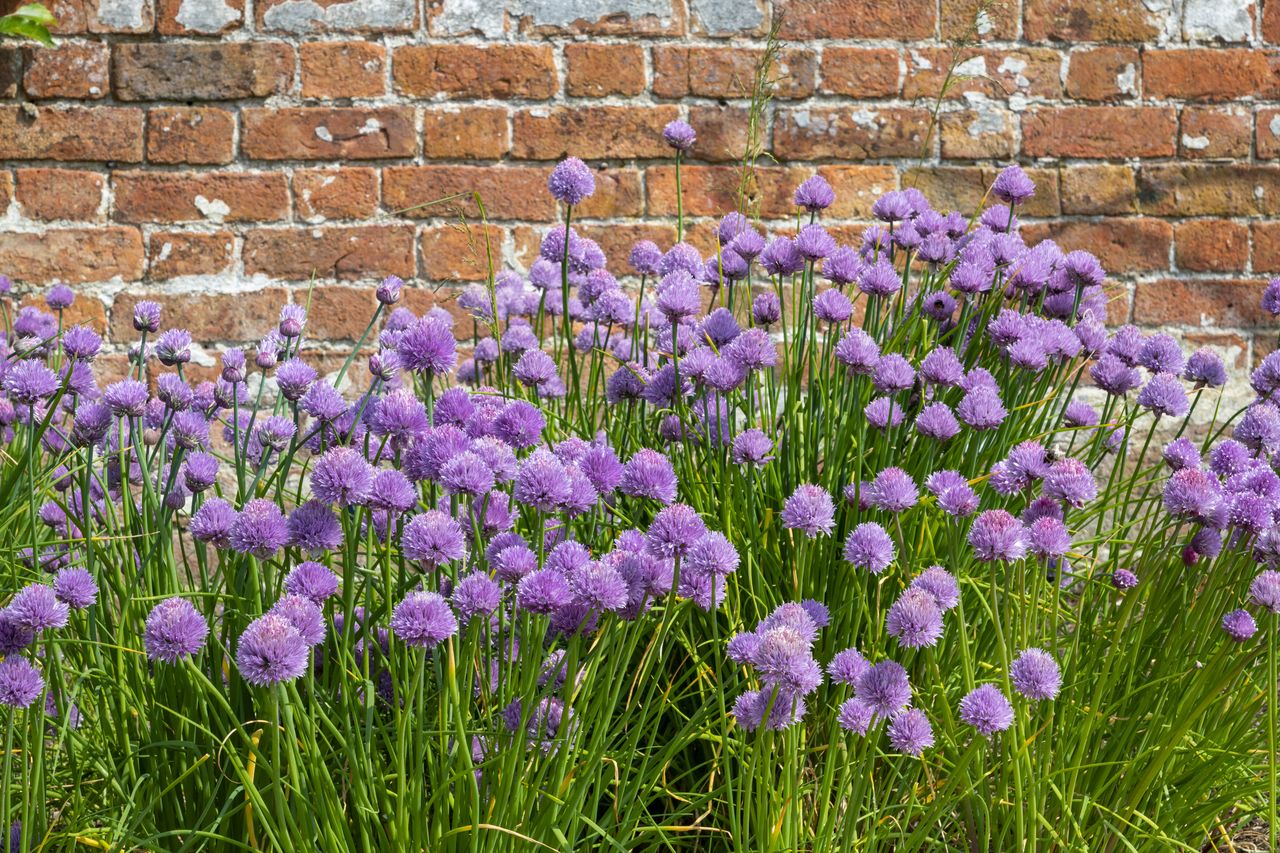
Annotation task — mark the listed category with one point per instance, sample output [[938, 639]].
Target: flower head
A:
[[1035, 674], [987, 710], [271, 650], [423, 620], [174, 630], [571, 181]]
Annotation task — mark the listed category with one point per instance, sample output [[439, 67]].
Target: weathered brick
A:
[[200, 196], [593, 133], [6, 189], [986, 133], [194, 135], [618, 194], [722, 132], [350, 69], [600, 70], [70, 14], [473, 133], [1211, 245], [507, 193], [365, 252], [1268, 133], [860, 72], [321, 194], [965, 188], [853, 134], [1033, 71], [1271, 21], [1099, 132], [1206, 74], [1266, 246], [1122, 245], [857, 188], [1173, 302], [473, 71], [1090, 20], [52, 194], [71, 133], [890, 19], [69, 70], [198, 17], [184, 71], [178, 253], [132, 17], [1098, 188], [73, 255], [713, 190], [965, 20], [726, 72], [11, 61], [1175, 189], [204, 315], [1104, 73], [460, 252], [1215, 133], [338, 312], [343, 16], [615, 239], [87, 309], [328, 133]]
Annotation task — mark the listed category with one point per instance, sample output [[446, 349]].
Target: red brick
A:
[[1175, 189], [179, 253], [472, 71], [1090, 20], [205, 316], [366, 252], [722, 132], [184, 71], [1271, 21], [395, 16], [185, 18], [853, 134], [618, 194], [1266, 246], [194, 135], [200, 196], [471, 133], [1215, 133], [1098, 188], [593, 133], [727, 72], [713, 190], [1175, 302], [337, 312], [321, 194], [68, 71], [1211, 245], [970, 20], [1122, 245], [860, 72], [600, 70], [1099, 132], [1104, 73], [840, 19], [52, 194], [460, 252], [507, 193], [71, 133], [857, 188], [6, 190], [1033, 71], [983, 134], [70, 15], [966, 188], [73, 255], [1208, 74], [328, 133], [352, 69]]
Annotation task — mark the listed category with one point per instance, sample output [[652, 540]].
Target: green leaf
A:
[[31, 21]]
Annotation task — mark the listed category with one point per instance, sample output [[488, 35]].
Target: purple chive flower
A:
[[1013, 186], [1264, 591], [173, 347], [1192, 493], [294, 378], [212, 522], [1114, 376], [915, 620], [571, 181], [713, 554], [1048, 537], [174, 630], [869, 547], [60, 296], [312, 581], [884, 688], [260, 529], [987, 710], [200, 472], [937, 422], [271, 650], [466, 474], [20, 685], [433, 538], [855, 716], [847, 666], [476, 595], [997, 535], [810, 510], [36, 607], [292, 320], [814, 243], [766, 309], [543, 591], [814, 194], [1239, 625], [1181, 453], [751, 447], [1070, 480], [304, 615], [146, 317], [1205, 368], [648, 474], [81, 343], [893, 490], [679, 135], [520, 424], [541, 482], [892, 373], [75, 587], [1079, 414], [1123, 579], [673, 531], [981, 409], [423, 620], [832, 306], [645, 257], [940, 584], [342, 476], [1035, 675], [1164, 395], [388, 292], [910, 732], [427, 346], [28, 382]]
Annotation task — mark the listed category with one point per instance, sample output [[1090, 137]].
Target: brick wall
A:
[[217, 154]]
